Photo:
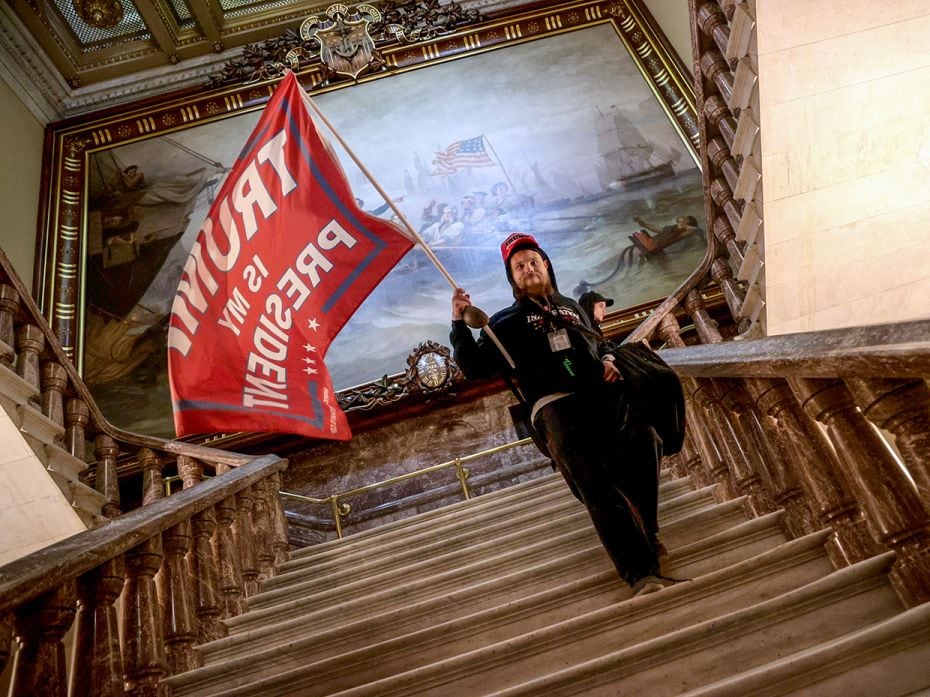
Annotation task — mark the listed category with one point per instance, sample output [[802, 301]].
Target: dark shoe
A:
[[647, 584]]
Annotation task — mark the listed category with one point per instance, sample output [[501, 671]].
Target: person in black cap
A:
[[603, 448], [595, 306]]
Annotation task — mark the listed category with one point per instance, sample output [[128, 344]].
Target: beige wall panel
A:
[[847, 60], [20, 171], [798, 122], [672, 17], [33, 511], [845, 162], [797, 22]]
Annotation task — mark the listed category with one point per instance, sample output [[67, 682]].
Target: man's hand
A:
[[460, 300], [611, 374]]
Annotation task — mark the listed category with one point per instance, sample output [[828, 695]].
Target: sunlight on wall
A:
[[845, 116]]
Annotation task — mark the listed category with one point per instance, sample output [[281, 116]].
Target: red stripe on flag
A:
[[282, 261]]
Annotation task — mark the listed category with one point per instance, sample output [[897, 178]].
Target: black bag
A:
[[656, 391]]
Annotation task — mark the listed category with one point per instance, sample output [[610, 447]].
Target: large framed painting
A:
[[571, 123]]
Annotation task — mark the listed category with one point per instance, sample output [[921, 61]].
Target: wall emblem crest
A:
[[346, 46]]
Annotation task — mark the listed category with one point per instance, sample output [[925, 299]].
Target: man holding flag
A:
[[282, 261]]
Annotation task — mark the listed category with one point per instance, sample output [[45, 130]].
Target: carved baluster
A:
[[279, 520], [723, 161], [705, 325], [245, 539], [712, 21], [691, 460], [895, 512], [77, 415], [725, 235], [723, 275], [153, 485], [718, 115], [106, 450], [29, 344], [190, 471], [709, 438], [9, 305], [688, 460], [54, 383], [97, 664], [729, 7], [144, 649], [777, 467], [670, 331], [175, 589], [901, 407], [206, 580], [6, 639], [818, 470], [722, 196], [264, 531], [39, 666], [746, 445], [227, 555], [716, 69]]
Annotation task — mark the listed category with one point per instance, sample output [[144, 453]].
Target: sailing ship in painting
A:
[[629, 160]]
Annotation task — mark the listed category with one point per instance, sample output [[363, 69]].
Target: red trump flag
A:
[[282, 261]]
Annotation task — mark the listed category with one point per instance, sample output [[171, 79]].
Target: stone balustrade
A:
[[177, 566]]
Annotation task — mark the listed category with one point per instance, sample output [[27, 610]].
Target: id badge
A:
[[559, 341]]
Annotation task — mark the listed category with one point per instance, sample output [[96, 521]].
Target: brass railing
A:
[[341, 509]]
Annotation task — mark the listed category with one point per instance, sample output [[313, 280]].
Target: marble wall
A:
[[450, 430], [845, 120]]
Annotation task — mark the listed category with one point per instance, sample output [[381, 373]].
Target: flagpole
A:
[[400, 216], [500, 162]]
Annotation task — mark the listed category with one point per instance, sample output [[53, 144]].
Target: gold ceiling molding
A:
[[102, 14], [91, 42]]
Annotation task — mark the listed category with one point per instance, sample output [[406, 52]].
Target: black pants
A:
[[610, 460]]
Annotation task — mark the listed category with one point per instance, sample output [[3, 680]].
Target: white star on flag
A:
[[309, 360], [310, 347], [314, 325], [310, 371]]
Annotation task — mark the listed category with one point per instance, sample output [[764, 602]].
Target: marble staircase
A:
[[511, 594], [42, 496]]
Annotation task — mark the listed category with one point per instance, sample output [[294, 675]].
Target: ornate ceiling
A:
[[71, 56]]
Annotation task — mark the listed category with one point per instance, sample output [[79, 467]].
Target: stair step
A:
[[545, 540], [484, 526], [400, 527], [844, 602], [368, 645], [458, 516], [488, 590], [891, 659], [456, 542], [551, 562]]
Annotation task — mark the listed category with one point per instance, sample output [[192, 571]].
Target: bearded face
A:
[[530, 273]]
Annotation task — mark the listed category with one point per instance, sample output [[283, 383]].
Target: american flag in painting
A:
[[462, 153]]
